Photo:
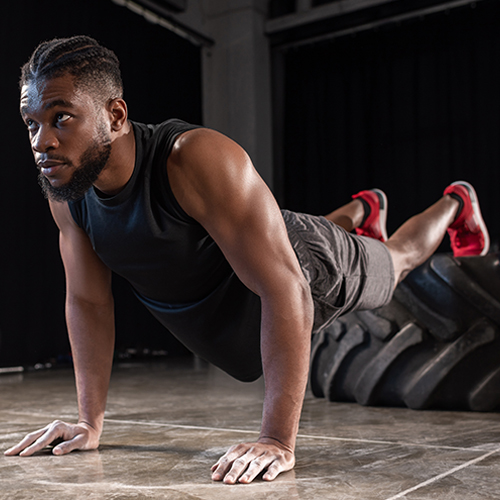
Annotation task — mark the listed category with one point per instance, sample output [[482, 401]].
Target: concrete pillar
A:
[[236, 74]]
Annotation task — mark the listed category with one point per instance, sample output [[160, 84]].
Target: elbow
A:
[[299, 304], [307, 304], [288, 304], [104, 301]]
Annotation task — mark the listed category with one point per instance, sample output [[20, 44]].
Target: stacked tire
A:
[[436, 345]]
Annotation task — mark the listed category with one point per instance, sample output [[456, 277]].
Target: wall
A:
[[408, 108], [162, 80], [237, 74]]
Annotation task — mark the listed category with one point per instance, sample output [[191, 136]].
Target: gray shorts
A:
[[346, 272]]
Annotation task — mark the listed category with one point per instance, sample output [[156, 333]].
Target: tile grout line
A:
[[398, 443], [307, 436], [443, 475], [180, 426]]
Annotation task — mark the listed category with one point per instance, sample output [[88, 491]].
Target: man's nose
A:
[[44, 140]]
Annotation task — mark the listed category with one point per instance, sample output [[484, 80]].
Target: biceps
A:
[[264, 259], [86, 276]]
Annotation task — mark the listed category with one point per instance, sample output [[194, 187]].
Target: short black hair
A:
[[94, 67]]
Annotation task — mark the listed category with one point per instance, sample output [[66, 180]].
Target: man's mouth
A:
[[49, 167]]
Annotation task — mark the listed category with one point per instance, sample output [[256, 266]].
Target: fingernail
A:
[[216, 476]]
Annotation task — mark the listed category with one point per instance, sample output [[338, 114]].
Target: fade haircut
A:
[[95, 68]]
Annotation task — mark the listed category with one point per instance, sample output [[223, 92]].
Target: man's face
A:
[[69, 136]]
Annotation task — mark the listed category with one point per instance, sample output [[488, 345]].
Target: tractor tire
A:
[[436, 345]]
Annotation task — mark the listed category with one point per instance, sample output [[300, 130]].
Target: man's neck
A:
[[121, 163]]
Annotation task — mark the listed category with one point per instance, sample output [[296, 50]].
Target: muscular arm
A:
[[215, 182], [90, 321], [89, 316]]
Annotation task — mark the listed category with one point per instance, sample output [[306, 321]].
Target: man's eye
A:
[[62, 117], [30, 124]]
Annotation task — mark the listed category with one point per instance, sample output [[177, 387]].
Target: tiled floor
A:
[[167, 424]]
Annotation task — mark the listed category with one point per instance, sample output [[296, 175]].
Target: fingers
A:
[[232, 465], [259, 464], [51, 433], [77, 443], [28, 440], [272, 471], [243, 463], [68, 437]]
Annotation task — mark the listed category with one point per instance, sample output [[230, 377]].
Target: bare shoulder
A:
[[207, 169], [207, 153], [206, 144]]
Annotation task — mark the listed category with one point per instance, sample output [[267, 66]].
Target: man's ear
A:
[[118, 113]]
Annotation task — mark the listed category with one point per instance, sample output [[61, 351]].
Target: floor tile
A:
[[167, 424]]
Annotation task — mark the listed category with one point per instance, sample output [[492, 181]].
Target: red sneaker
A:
[[375, 220], [468, 232]]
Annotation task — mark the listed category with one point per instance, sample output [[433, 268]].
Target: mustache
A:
[[60, 159]]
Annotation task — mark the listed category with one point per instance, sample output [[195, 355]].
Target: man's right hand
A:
[[68, 437]]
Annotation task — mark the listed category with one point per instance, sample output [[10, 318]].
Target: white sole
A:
[[382, 212]]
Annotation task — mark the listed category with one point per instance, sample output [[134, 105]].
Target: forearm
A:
[[91, 332], [286, 340]]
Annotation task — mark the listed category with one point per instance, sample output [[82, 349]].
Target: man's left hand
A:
[[244, 462]]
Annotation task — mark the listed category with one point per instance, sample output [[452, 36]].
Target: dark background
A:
[[162, 79], [407, 107]]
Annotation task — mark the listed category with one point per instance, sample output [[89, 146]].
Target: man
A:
[[181, 213]]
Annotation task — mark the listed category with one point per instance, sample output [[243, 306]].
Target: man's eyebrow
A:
[[59, 102], [25, 108]]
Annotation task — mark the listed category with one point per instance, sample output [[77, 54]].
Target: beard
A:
[[91, 164]]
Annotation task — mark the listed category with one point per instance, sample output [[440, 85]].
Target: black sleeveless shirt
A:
[[175, 268]]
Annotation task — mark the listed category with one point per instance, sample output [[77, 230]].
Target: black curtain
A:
[[162, 80], [407, 108]]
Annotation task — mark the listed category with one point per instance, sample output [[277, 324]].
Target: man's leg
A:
[[366, 213], [418, 238], [348, 216]]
